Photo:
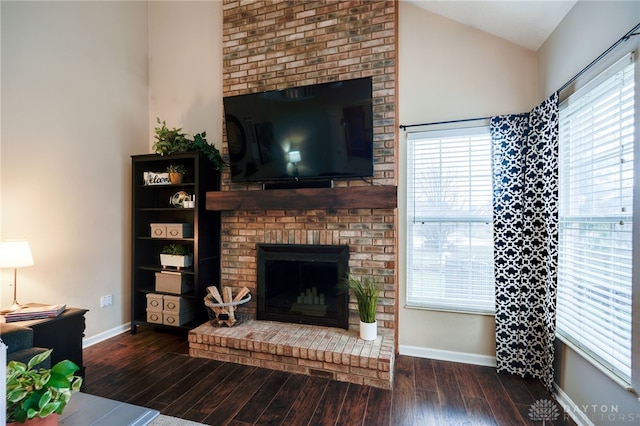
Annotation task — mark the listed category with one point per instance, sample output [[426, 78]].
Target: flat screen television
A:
[[321, 131]]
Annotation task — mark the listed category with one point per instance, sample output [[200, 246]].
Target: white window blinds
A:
[[595, 212], [449, 220]]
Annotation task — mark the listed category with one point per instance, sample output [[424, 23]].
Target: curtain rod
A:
[[404, 126], [622, 39]]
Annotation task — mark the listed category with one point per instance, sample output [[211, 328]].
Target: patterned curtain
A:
[[525, 203]]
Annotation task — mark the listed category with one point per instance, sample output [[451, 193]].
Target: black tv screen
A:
[[321, 131]]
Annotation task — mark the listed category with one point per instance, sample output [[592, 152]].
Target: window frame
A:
[[582, 82], [434, 131]]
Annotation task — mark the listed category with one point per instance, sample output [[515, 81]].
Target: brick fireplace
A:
[[277, 44], [270, 45]]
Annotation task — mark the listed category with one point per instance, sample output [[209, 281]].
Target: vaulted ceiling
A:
[[524, 22]]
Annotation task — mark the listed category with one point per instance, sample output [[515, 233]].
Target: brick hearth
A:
[[304, 349]]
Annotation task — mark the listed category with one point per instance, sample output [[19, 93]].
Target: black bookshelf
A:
[[151, 204]]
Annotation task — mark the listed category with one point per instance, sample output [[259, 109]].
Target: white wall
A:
[[586, 32], [448, 71], [185, 67], [74, 108], [82, 85]]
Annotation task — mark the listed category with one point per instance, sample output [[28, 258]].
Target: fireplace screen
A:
[[300, 284]]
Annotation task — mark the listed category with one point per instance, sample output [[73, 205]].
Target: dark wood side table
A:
[[63, 334]]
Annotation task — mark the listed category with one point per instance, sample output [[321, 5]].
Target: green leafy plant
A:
[[175, 250], [367, 292], [173, 141], [177, 168], [40, 392]]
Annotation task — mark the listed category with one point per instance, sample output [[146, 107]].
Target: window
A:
[[449, 220], [596, 159]]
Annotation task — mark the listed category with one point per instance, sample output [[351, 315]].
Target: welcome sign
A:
[[153, 178]]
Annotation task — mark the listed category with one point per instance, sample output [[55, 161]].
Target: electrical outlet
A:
[[106, 301]]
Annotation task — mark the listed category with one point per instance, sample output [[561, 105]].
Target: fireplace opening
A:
[[300, 284]]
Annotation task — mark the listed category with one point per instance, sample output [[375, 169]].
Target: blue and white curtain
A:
[[525, 204]]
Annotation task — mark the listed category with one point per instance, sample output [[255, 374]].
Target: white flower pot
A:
[[368, 330], [177, 261]]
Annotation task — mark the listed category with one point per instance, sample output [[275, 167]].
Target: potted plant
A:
[[35, 394], [176, 255], [173, 141], [367, 292], [176, 173]]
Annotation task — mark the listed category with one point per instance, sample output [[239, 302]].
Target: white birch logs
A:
[[224, 305]]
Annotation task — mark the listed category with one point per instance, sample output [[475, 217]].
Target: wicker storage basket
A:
[[219, 312]]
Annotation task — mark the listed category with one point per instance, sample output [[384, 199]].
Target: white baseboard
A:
[[439, 354], [90, 341], [571, 408]]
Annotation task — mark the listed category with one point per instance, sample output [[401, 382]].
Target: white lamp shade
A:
[[294, 157], [15, 254]]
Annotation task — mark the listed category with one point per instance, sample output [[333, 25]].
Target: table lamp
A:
[[15, 254]]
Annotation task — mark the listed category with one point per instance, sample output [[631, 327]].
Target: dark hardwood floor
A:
[[153, 369]]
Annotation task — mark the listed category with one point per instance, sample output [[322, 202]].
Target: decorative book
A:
[[34, 311]]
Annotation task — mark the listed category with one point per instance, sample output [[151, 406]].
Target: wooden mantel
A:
[[353, 197]]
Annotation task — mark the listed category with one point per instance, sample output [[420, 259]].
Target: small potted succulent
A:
[[176, 173], [367, 292], [176, 255], [38, 395]]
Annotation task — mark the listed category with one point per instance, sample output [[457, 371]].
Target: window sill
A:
[[449, 310]]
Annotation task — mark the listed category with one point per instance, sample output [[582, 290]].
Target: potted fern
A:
[[367, 292], [38, 395]]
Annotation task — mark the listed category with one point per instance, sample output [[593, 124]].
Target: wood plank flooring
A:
[[153, 369]]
